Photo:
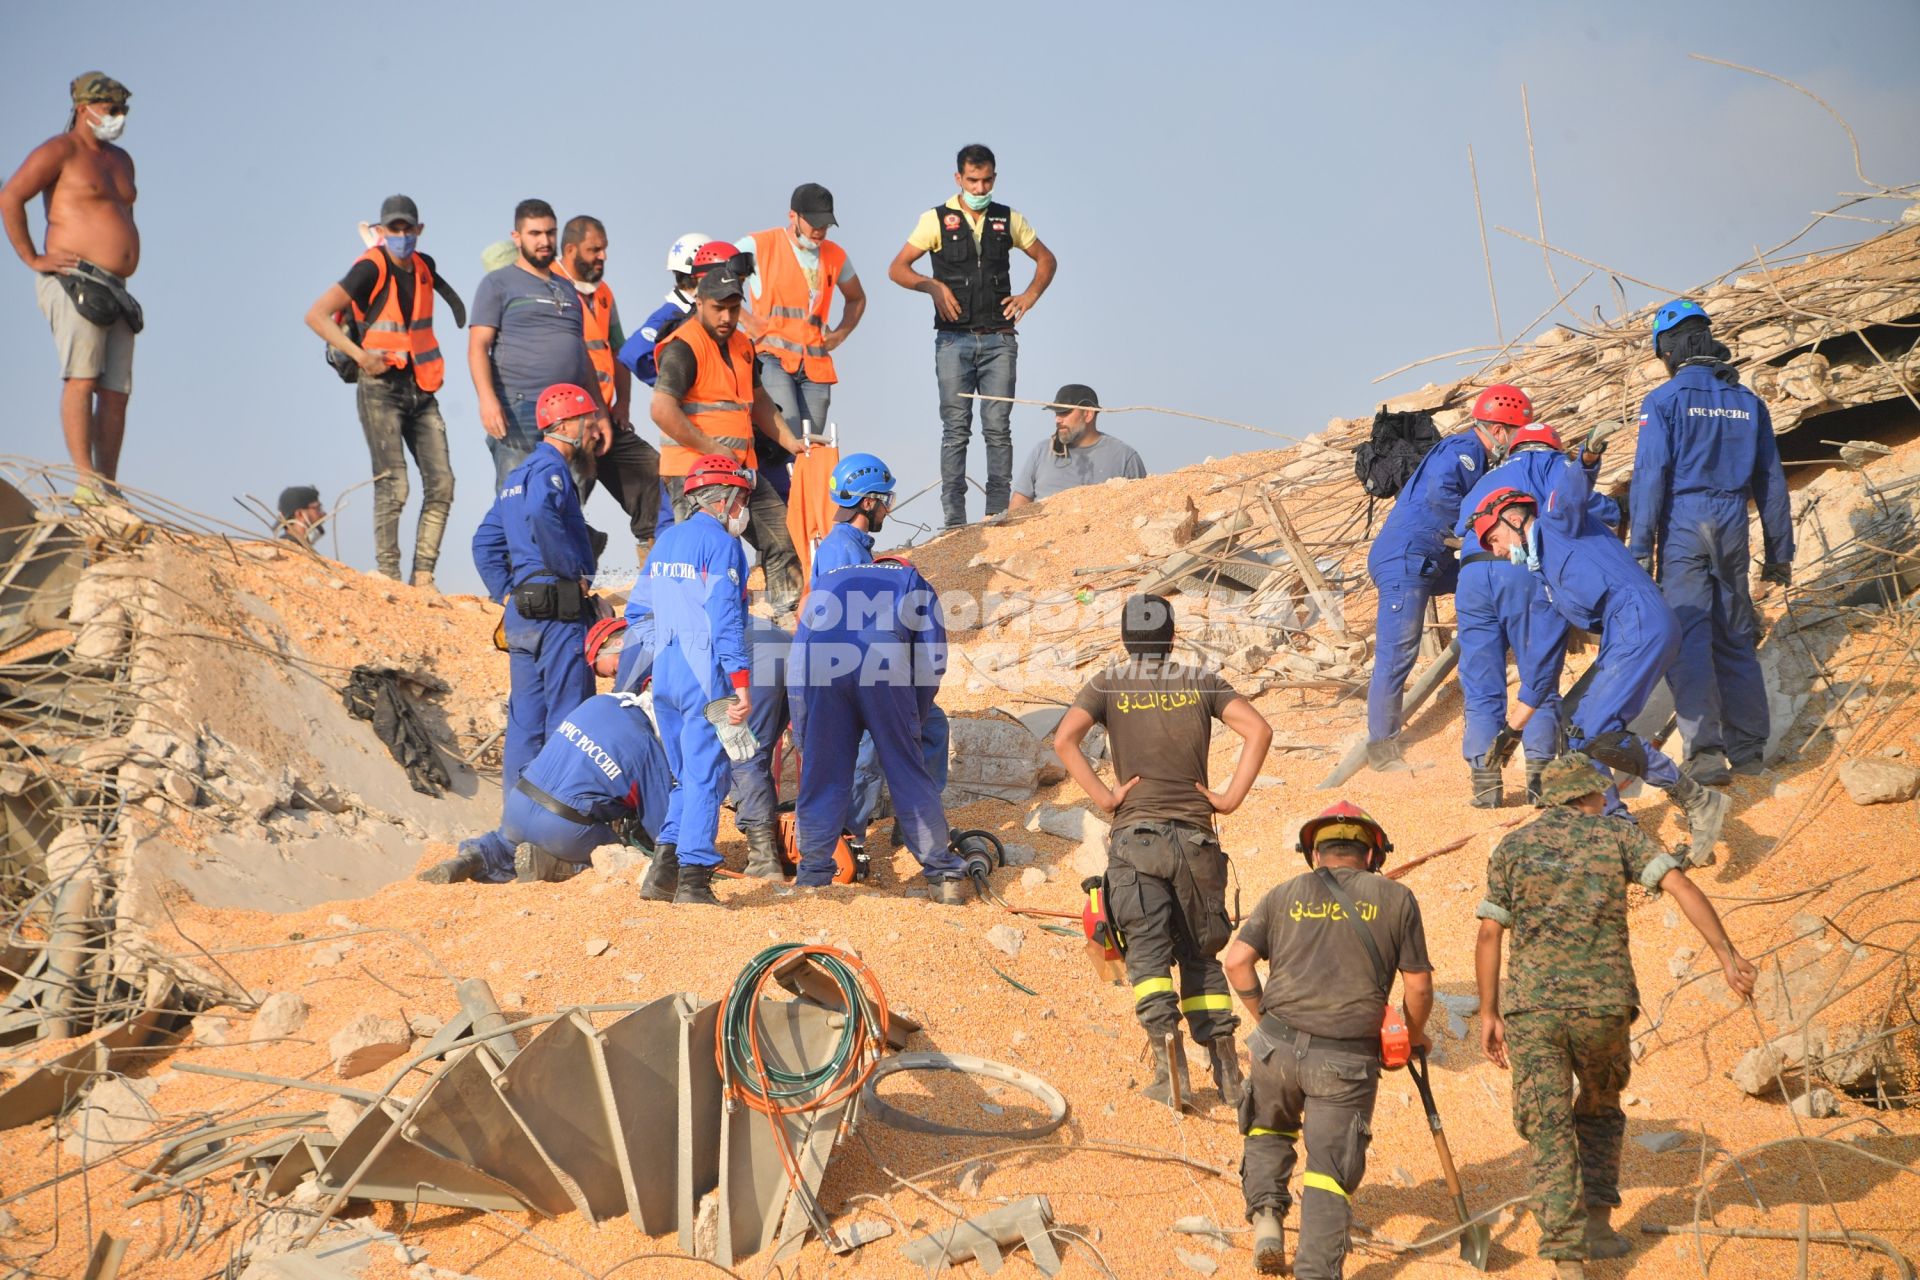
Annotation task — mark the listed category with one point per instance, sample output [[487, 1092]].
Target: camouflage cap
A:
[[1569, 777], [98, 86]]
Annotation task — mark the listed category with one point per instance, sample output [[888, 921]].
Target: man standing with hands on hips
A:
[[975, 309]]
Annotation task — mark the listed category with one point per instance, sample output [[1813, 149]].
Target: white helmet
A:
[[680, 257]]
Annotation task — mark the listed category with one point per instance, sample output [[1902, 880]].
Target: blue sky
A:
[[1257, 207]]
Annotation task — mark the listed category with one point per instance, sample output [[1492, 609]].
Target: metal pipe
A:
[[1902, 1268]]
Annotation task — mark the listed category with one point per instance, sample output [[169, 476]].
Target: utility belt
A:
[[551, 805], [1280, 1033], [101, 297], [1479, 557], [561, 601]]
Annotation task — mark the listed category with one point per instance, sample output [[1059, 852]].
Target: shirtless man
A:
[[86, 188]]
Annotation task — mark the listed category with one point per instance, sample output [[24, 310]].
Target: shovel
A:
[[1476, 1238]]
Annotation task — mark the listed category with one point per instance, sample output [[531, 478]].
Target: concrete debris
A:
[[982, 1239], [210, 1029], [280, 1014], [1757, 1073], [368, 1043], [1074, 822], [991, 758], [1816, 1104], [1200, 1262], [328, 956], [1199, 1225], [1006, 938], [1033, 878], [1019, 855], [597, 946], [972, 1176], [1680, 962], [342, 1115], [1877, 780], [1166, 533], [1661, 1143], [114, 1114]]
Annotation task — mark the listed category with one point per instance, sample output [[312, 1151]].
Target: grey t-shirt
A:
[[1046, 474], [1320, 977], [541, 340]]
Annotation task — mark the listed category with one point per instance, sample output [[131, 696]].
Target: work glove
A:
[[1596, 442], [1778, 572], [736, 739]]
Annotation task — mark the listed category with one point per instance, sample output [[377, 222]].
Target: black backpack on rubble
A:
[[1389, 457]]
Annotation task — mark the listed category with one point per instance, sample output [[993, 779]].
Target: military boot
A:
[[460, 867], [1709, 768], [663, 875], [1224, 1058], [1489, 788], [1706, 811], [1533, 784], [1168, 1068], [763, 851], [1384, 757], [1602, 1240], [696, 888], [1269, 1244], [534, 865]]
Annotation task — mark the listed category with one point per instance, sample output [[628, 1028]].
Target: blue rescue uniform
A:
[[1706, 448], [1500, 608], [604, 763], [1596, 585], [869, 655], [756, 801], [695, 610], [1410, 563]]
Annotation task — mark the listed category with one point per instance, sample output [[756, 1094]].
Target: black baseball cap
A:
[[1074, 395], [721, 283], [293, 499], [814, 203], [399, 207]]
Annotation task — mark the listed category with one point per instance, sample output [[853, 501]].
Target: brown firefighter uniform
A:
[[1316, 1053], [1559, 887]]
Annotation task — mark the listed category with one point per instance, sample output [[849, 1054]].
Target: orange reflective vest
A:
[[596, 315], [403, 338], [796, 321], [720, 401]]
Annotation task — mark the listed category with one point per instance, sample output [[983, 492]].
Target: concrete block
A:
[[114, 1114], [280, 1014], [368, 1043], [1875, 780]]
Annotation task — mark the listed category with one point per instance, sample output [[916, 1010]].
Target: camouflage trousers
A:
[[1573, 1140]]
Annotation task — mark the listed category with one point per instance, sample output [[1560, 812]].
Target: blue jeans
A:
[[522, 438], [983, 363], [798, 399]]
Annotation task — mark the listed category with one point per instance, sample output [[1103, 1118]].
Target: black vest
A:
[[981, 277]]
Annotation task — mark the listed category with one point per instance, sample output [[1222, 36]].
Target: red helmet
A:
[[1536, 433], [600, 633], [559, 402], [1346, 821], [893, 557], [1504, 404], [1488, 513], [716, 468], [717, 253]]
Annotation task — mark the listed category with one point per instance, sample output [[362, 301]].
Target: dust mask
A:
[[108, 128], [737, 522], [1527, 556], [977, 203]]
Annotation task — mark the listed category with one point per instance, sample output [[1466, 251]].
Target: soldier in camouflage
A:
[[1560, 885]]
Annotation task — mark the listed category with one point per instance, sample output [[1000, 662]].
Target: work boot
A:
[[1489, 788], [1385, 757], [948, 893], [763, 851], [1706, 811], [534, 865], [1602, 1240], [1533, 784], [1709, 769], [663, 875], [1223, 1056], [1269, 1245], [696, 888], [459, 868], [1751, 767], [424, 578], [1159, 1089]]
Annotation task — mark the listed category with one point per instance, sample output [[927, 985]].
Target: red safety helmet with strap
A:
[[716, 469], [559, 402], [1536, 433], [600, 633], [1488, 513], [1346, 821], [718, 253], [893, 557], [1503, 404]]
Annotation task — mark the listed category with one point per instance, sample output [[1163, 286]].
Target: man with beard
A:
[[1076, 454], [528, 333], [85, 185], [630, 468]]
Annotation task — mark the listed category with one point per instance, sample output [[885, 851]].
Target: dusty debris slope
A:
[[1805, 885]]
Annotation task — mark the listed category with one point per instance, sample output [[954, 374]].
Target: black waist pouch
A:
[[540, 601]]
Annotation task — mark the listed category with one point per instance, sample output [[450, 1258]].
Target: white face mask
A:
[[107, 128], [737, 522]]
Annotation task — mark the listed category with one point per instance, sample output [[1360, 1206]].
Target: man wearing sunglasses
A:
[[1076, 454], [86, 189]]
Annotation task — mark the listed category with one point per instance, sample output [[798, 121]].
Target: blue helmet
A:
[[1672, 314], [857, 476]]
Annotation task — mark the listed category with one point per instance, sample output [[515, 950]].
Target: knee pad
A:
[[1618, 749]]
